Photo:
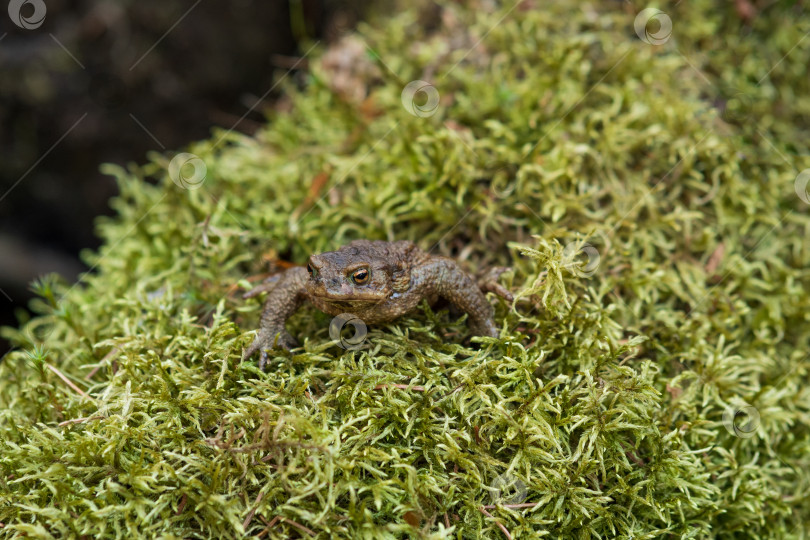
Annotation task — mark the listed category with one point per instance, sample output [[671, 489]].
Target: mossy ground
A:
[[607, 407]]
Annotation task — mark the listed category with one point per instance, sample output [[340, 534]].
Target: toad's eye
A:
[[312, 271], [360, 277]]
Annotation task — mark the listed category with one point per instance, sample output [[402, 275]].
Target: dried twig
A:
[[80, 420], [69, 382], [453, 391], [182, 505], [250, 515], [297, 526], [633, 456], [113, 352], [521, 505], [269, 525], [498, 523], [400, 386]]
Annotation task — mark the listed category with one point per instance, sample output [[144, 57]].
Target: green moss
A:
[[607, 408]]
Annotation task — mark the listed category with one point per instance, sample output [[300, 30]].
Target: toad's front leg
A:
[[283, 301], [445, 278]]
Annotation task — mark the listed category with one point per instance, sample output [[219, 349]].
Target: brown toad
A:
[[377, 281]]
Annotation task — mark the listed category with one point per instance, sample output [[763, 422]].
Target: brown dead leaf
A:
[[369, 109], [412, 518], [316, 186], [715, 259], [674, 391]]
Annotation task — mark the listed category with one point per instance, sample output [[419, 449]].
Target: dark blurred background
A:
[[98, 81]]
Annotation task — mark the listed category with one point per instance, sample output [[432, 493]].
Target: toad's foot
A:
[[269, 340], [488, 282], [485, 328]]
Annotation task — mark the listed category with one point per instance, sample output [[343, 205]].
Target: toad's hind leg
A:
[[445, 278]]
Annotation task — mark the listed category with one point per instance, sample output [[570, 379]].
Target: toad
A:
[[377, 281]]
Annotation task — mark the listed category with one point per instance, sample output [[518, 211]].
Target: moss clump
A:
[[662, 392]]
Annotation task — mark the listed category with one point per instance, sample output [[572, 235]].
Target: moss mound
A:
[[651, 378]]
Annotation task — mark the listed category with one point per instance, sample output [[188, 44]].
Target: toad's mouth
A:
[[344, 297], [350, 302]]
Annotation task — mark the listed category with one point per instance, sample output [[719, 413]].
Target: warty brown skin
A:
[[377, 281]]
